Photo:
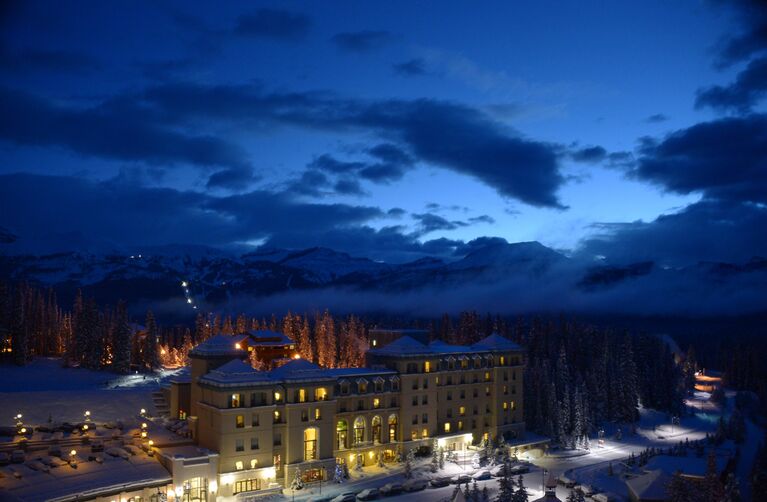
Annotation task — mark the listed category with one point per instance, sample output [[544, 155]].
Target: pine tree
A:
[[681, 490], [19, 333], [409, 459], [732, 489], [712, 486], [434, 466], [151, 356], [121, 356], [304, 342], [505, 485], [520, 494]]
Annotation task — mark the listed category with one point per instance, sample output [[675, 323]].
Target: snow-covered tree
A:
[[338, 474], [297, 483], [409, 459]]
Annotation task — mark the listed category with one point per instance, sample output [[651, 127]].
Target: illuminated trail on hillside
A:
[[188, 295]]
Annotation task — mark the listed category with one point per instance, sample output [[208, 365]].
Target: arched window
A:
[[311, 435], [375, 426], [342, 433], [359, 430], [392, 428]]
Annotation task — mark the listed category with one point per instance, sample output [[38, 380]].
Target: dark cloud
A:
[[749, 88], [396, 212], [233, 179], [348, 187], [108, 132], [392, 165], [708, 230], [656, 118], [751, 39], [725, 159], [145, 127], [128, 214], [361, 41], [411, 68], [391, 154], [467, 141], [485, 218], [312, 182], [590, 154], [429, 222], [274, 23], [329, 163]]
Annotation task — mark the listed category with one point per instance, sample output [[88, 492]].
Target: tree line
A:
[[577, 375]]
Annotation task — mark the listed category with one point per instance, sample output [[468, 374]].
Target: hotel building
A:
[[260, 427]]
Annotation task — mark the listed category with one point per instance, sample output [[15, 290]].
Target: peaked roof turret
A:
[[495, 342], [299, 369], [235, 372]]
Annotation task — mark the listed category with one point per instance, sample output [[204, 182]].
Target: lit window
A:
[[253, 463], [413, 434], [277, 397], [487, 376], [317, 414], [276, 416], [374, 343], [460, 425], [301, 395], [505, 405], [447, 426], [320, 394], [425, 433], [310, 444], [503, 361], [376, 403], [238, 465], [427, 367], [240, 421], [513, 405], [236, 400], [461, 410]]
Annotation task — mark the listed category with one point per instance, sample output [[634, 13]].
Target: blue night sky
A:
[[393, 130]]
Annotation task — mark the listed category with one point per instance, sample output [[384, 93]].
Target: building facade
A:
[[268, 427]]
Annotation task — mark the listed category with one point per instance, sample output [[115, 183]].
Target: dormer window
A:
[[379, 384], [344, 387], [394, 383], [362, 386]]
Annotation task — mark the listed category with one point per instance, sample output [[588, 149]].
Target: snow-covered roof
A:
[[89, 481], [496, 342], [407, 346], [220, 345], [235, 372], [300, 369], [404, 345], [649, 486], [268, 337]]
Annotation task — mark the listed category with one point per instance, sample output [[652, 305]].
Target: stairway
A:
[[160, 405]]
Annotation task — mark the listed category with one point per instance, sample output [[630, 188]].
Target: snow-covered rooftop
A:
[[496, 342], [408, 346], [88, 481], [649, 486], [220, 345], [235, 372]]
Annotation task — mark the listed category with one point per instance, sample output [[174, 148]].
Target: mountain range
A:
[[498, 277]]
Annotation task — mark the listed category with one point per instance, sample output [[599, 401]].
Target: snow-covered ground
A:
[[654, 429], [44, 389]]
